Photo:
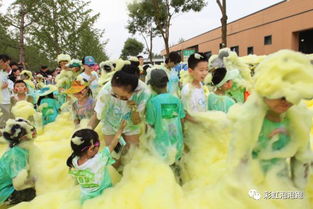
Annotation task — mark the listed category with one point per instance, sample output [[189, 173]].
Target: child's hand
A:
[[132, 105], [278, 131]]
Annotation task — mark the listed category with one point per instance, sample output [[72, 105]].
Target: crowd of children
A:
[[126, 99]]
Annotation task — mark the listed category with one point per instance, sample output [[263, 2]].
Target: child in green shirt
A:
[[165, 113], [88, 165], [222, 80], [16, 185]]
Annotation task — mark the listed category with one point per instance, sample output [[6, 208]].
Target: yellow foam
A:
[[213, 170], [23, 109]]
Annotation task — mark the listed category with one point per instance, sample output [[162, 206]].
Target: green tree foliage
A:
[[52, 27], [141, 24], [9, 44], [162, 12], [19, 17], [89, 43], [61, 26], [132, 47]]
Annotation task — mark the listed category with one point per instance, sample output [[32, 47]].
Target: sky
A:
[[113, 18]]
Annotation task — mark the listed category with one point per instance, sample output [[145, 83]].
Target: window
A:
[[250, 50], [268, 40], [235, 49]]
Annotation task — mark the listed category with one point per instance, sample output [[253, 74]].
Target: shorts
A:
[[108, 130], [21, 196]]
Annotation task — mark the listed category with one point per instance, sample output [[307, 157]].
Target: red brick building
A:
[[286, 25]]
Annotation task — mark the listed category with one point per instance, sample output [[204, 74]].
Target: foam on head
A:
[[286, 74]]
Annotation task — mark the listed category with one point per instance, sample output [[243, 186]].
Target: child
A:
[[40, 82], [165, 114], [107, 71], [27, 77], [171, 61], [89, 74], [88, 166], [84, 106], [20, 90], [222, 80], [48, 105], [124, 98], [192, 95], [15, 183], [75, 66], [273, 126], [63, 60]]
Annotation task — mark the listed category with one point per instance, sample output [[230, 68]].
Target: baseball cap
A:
[[158, 78], [89, 61], [74, 63]]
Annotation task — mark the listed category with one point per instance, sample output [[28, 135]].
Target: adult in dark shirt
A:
[[44, 71], [15, 72]]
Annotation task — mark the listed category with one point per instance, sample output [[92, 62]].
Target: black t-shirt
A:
[[44, 74], [12, 77]]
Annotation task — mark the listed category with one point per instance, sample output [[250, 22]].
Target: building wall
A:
[[282, 21]]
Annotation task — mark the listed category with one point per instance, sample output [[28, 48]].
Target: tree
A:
[[89, 44], [53, 27], [162, 12], [140, 23], [19, 17], [132, 47], [222, 6], [61, 27]]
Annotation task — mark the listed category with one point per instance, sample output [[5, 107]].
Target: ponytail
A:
[[69, 161]]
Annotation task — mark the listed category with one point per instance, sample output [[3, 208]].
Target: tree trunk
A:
[[224, 30], [222, 6], [151, 45], [166, 38], [167, 46], [21, 38]]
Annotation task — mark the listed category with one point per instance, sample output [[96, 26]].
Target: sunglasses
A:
[[97, 144]]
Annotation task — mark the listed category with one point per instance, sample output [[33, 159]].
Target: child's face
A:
[[17, 73], [4, 65], [200, 71], [228, 85], [93, 150], [80, 95], [120, 93], [75, 69], [33, 135], [20, 88], [62, 64], [278, 106]]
